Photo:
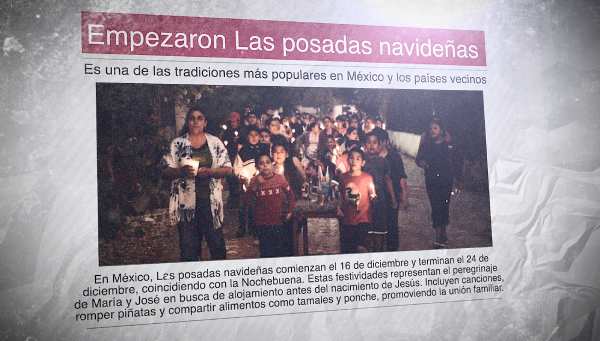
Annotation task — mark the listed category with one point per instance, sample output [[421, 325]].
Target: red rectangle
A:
[[162, 35]]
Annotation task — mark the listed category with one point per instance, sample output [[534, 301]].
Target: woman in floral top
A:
[[196, 163]]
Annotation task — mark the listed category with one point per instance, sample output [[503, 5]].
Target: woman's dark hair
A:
[[250, 129], [270, 120], [324, 148], [380, 134], [311, 126], [357, 150], [440, 123], [280, 140], [350, 130], [292, 174], [351, 144], [186, 125]]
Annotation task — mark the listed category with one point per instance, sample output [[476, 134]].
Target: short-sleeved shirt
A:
[[356, 198], [397, 172], [203, 156], [379, 169]]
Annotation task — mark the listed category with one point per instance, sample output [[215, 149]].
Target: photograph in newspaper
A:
[[206, 172]]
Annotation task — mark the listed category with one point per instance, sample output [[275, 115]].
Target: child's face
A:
[[435, 130], [353, 136], [356, 161], [265, 166], [373, 145], [279, 155], [234, 118], [265, 137], [331, 144], [274, 127], [253, 137]]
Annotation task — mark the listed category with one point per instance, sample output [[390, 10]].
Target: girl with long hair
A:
[[438, 158]]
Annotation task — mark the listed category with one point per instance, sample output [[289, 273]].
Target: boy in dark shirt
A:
[[244, 168], [272, 203], [398, 176], [386, 200]]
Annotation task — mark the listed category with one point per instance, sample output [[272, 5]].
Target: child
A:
[[244, 168], [400, 187], [272, 202], [379, 169], [357, 191]]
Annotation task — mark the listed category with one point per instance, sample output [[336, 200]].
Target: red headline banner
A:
[[162, 35]]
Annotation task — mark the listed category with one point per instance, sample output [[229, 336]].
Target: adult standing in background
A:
[[231, 136], [442, 165]]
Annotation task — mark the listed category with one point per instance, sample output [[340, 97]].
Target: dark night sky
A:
[[407, 110]]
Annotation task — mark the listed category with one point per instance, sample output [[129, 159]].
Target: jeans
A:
[[233, 183], [393, 235], [192, 233], [438, 192]]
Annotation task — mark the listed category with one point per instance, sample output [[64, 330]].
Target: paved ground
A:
[[150, 239]]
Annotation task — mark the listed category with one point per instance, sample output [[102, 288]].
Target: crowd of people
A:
[[270, 161]]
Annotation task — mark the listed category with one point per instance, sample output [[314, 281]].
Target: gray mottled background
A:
[[542, 123]]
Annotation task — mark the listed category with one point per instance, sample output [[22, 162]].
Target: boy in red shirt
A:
[[272, 202], [357, 191]]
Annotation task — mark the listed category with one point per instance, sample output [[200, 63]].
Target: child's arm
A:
[[252, 194], [372, 193], [390, 189], [342, 191], [290, 200], [420, 159], [404, 193], [299, 167]]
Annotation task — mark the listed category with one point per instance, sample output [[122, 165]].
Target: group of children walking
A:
[[370, 195], [369, 170]]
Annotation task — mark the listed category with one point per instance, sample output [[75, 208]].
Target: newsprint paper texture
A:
[[518, 84]]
